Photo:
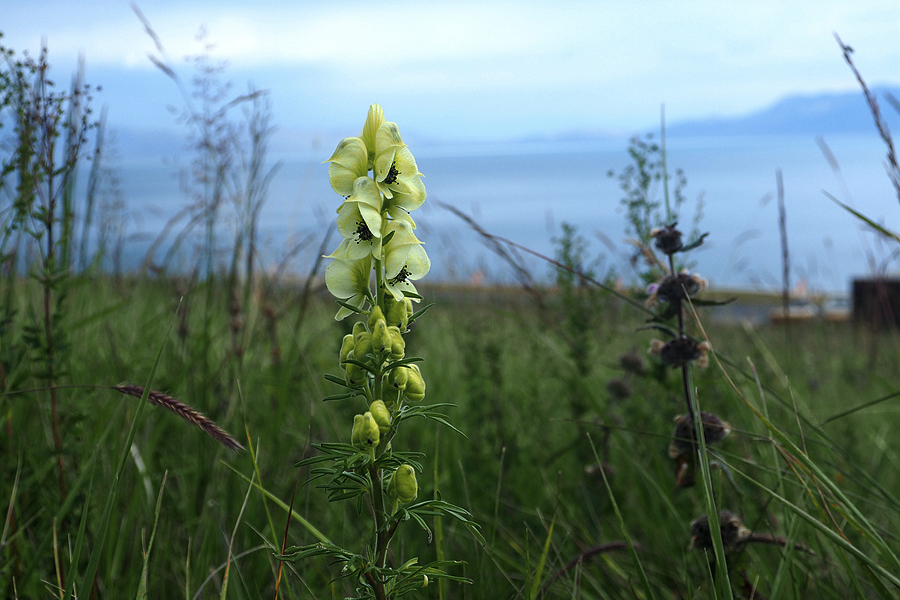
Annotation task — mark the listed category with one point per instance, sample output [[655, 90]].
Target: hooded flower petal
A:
[[401, 203], [369, 131], [348, 280], [349, 162], [403, 265], [401, 233], [395, 166]]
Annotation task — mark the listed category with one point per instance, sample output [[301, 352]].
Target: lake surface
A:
[[525, 190]]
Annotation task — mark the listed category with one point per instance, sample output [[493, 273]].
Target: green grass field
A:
[[528, 471], [558, 458]]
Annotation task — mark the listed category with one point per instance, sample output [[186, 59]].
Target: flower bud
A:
[[347, 346], [398, 378], [375, 316], [358, 329], [363, 346], [365, 434], [396, 313], [355, 375], [398, 344], [381, 338], [415, 385], [381, 415], [403, 486]]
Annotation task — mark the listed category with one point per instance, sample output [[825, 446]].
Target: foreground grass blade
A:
[[306, 524], [539, 572], [142, 588]]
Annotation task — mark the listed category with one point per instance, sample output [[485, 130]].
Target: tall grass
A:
[[106, 496]]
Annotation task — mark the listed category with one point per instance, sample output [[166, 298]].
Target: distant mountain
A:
[[843, 112]]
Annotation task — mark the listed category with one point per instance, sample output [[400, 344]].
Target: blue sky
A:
[[480, 69]]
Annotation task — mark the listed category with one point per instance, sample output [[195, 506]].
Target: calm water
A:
[[524, 191]]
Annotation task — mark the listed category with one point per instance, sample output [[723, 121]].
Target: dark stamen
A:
[[392, 175], [402, 276]]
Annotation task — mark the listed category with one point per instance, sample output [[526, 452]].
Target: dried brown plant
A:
[[185, 412]]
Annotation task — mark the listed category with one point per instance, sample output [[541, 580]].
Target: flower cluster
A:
[[673, 291], [371, 274], [381, 184], [377, 176]]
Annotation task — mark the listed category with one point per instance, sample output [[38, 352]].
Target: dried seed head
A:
[[619, 389], [680, 351], [668, 239], [683, 439], [678, 287], [631, 362], [733, 532]]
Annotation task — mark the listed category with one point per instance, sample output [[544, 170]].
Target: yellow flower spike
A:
[[365, 434], [382, 416], [403, 486], [349, 162], [415, 385], [348, 280], [373, 122]]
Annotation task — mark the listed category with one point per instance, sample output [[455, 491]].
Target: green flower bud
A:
[[375, 316], [381, 415], [358, 329], [381, 338], [363, 346], [403, 486], [365, 434], [399, 378], [398, 344], [391, 396], [354, 375], [415, 385], [397, 314], [347, 346]]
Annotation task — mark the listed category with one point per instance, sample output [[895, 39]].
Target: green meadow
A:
[[164, 431]]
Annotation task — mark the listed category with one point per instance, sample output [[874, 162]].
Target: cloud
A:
[[581, 60]]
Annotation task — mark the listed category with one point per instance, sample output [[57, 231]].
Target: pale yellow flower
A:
[[395, 166], [348, 163], [360, 221], [403, 265], [348, 280]]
